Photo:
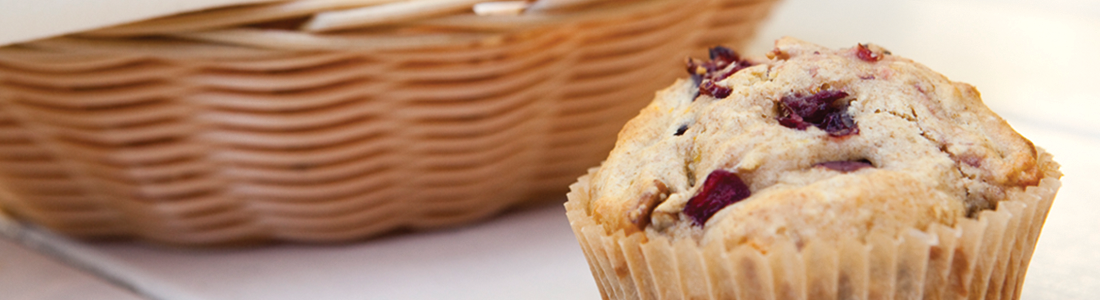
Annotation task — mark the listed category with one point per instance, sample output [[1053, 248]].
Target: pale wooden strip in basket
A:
[[560, 4], [737, 12], [59, 63], [232, 16], [384, 14], [500, 8], [973, 260], [178, 49], [298, 41]]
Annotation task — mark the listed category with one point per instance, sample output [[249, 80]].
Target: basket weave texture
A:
[[235, 124]]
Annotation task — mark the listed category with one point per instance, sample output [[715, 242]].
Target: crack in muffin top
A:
[[809, 142]]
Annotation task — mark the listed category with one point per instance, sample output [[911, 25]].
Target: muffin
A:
[[814, 173]]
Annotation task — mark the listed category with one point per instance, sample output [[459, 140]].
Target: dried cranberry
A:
[[846, 165], [709, 88], [680, 131], [815, 108], [723, 56], [821, 110], [706, 73], [793, 121], [866, 54], [722, 188], [840, 124], [695, 68]]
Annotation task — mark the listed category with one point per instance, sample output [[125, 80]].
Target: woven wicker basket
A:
[[331, 120]]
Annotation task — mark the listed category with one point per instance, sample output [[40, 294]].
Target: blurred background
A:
[[1034, 62]]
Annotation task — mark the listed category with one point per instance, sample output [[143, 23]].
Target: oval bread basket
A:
[[323, 121]]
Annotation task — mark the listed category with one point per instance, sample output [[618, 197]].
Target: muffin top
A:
[[808, 143]]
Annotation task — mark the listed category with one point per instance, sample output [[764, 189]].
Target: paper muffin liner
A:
[[979, 258]]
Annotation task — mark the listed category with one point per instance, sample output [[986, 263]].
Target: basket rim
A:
[[245, 38], [68, 17]]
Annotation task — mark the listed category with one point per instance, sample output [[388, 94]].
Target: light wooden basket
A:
[[331, 120]]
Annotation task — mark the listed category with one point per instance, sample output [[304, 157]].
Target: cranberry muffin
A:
[[872, 172]]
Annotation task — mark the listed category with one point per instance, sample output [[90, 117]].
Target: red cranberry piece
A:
[[723, 56], [822, 110], [722, 188], [816, 107], [866, 54], [846, 165], [709, 88], [793, 121], [839, 124], [706, 73]]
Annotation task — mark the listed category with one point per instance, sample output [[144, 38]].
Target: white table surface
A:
[[1035, 62], [25, 274]]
